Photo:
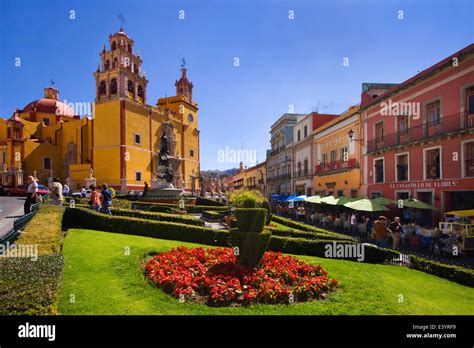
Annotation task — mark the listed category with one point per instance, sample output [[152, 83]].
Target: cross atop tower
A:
[[122, 21], [183, 62]]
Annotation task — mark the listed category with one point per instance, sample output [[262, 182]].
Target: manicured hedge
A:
[[30, 287], [308, 235], [44, 230], [212, 215], [208, 202], [305, 227], [453, 273], [300, 246], [184, 219], [85, 218], [163, 207]]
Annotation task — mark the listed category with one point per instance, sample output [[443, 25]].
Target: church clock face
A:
[[190, 118]]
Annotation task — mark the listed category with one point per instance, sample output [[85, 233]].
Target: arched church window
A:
[[130, 86], [102, 88], [107, 64], [114, 46], [140, 91], [113, 86]]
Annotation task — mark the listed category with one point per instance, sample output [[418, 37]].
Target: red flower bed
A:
[[214, 277]]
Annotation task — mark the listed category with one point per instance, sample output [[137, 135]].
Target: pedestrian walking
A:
[[31, 194], [396, 230], [106, 199], [94, 202]]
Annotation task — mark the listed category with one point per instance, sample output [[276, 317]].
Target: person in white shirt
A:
[[31, 193]]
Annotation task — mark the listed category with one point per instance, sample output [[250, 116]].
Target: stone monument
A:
[[162, 187]]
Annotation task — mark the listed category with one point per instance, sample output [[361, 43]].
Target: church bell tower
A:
[[119, 75]]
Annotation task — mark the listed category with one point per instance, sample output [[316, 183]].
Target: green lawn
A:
[[104, 280]]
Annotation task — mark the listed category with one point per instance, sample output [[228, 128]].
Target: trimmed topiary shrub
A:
[[249, 237], [250, 220], [266, 205], [248, 203], [238, 197]]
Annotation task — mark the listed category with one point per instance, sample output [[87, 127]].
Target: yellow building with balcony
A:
[[253, 178], [338, 156]]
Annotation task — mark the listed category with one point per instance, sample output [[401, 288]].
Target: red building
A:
[[418, 136]]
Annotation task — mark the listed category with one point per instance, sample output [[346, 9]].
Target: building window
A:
[[333, 156], [354, 193], [102, 88], [402, 123], [306, 167], [46, 121], [191, 153], [470, 101], [137, 139], [433, 164], [107, 64], [402, 168], [140, 91], [379, 132], [305, 131], [468, 149], [114, 46], [47, 163], [340, 193], [324, 159], [113, 86], [344, 154], [131, 87], [299, 135], [138, 176], [434, 113], [298, 166], [379, 170], [375, 194]]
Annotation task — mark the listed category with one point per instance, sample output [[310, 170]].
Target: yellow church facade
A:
[[118, 144]]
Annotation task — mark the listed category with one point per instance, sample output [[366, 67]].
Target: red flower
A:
[[214, 274]]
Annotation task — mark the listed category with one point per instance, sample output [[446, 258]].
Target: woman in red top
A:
[[95, 200]]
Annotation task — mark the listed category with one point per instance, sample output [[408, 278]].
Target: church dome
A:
[[49, 104]]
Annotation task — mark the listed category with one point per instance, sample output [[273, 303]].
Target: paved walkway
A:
[[10, 209]]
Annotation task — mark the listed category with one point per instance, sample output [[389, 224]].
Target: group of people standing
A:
[[98, 202], [383, 229]]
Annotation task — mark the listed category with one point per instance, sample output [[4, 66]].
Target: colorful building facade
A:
[[280, 157], [303, 154], [119, 143], [253, 178], [337, 156], [419, 137]]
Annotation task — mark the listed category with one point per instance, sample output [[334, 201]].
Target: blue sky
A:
[[282, 62]]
